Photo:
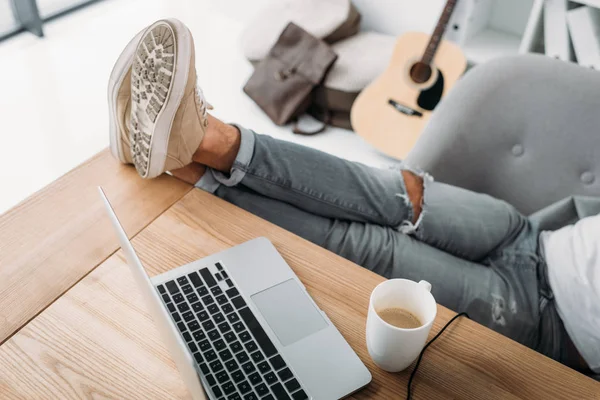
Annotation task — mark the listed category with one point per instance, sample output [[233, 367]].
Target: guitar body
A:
[[373, 114]]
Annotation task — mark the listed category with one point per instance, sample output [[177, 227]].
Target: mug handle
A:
[[425, 285]]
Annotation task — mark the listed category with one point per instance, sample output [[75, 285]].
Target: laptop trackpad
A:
[[289, 312]]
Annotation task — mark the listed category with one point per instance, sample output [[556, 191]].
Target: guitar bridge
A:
[[404, 109]]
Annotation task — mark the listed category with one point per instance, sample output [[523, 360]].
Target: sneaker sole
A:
[[115, 81], [158, 79]]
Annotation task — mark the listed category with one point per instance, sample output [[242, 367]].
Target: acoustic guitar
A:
[[392, 111]]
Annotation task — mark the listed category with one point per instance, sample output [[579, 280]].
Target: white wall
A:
[[398, 16]]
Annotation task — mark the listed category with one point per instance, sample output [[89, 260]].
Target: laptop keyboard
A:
[[235, 355]]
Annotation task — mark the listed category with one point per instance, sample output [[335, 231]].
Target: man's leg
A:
[[460, 222], [503, 299]]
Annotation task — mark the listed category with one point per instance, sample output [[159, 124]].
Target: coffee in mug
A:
[[399, 318], [401, 313]]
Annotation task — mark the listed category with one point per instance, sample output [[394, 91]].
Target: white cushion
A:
[[318, 17], [361, 59]]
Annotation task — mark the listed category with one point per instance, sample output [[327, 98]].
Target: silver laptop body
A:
[[240, 325]]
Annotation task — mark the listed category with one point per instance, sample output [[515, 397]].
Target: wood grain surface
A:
[[58, 235], [97, 341]]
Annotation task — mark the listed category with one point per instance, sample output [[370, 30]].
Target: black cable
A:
[[413, 373]]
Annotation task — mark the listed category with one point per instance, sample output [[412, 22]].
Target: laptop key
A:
[[193, 325], [235, 396], [268, 397], [228, 387], [264, 367], [204, 345], [208, 325], [245, 336], [197, 307], [251, 346], [262, 389], [166, 298], [258, 332], [210, 380], [222, 376], [229, 282], [280, 392], [285, 374], [182, 280], [178, 298], [195, 278], [188, 316], [229, 336], [238, 326], [213, 309], [217, 391], [187, 289], [172, 287], [183, 307], [237, 376], [216, 291], [238, 302], [213, 335], [219, 345], [227, 308], [248, 367], [199, 336], [224, 327], [225, 355], [242, 357], [198, 357], [271, 378], [218, 317], [192, 297], [231, 365], [202, 316], [255, 378], [208, 300], [176, 317], [181, 327], [235, 346], [204, 368], [244, 387], [202, 291], [292, 385], [216, 366], [250, 396], [222, 299], [232, 292], [257, 356], [171, 307], [219, 266], [218, 276], [233, 317], [192, 347], [300, 395], [277, 362], [161, 289], [208, 278], [187, 337]]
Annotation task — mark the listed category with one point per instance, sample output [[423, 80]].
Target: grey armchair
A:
[[525, 129]]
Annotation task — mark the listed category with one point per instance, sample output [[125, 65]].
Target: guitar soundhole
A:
[[420, 72]]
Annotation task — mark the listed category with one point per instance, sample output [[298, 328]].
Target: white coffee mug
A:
[[392, 348]]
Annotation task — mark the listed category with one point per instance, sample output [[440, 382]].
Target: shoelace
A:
[[201, 101]]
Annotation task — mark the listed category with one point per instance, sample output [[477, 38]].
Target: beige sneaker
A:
[[168, 110], [119, 102]]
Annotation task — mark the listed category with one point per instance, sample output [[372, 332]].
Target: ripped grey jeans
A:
[[479, 254]]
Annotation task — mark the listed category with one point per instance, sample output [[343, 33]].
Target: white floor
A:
[[53, 110]]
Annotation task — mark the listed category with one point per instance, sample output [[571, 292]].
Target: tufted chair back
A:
[[525, 129]]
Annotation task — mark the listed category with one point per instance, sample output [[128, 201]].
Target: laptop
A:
[[240, 325]]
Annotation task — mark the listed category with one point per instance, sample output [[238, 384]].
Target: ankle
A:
[[220, 145]]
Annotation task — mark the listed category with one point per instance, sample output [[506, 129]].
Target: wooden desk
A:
[[82, 330]]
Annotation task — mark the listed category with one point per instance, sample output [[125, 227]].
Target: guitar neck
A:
[[438, 33]]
